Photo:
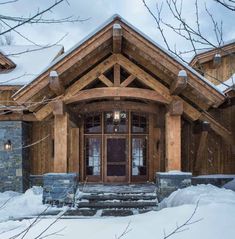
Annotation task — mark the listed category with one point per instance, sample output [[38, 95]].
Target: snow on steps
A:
[[115, 200]]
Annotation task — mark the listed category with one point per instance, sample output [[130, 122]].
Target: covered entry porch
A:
[[116, 141]]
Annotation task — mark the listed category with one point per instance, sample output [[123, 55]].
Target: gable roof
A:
[[28, 60], [208, 55], [110, 20], [166, 64]]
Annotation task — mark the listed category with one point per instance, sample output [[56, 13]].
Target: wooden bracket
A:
[[55, 83], [117, 38], [58, 107], [176, 107], [179, 84]]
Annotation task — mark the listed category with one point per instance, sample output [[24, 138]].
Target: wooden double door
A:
[[115, 152]]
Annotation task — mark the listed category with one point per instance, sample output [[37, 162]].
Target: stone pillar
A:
[[14, 163], [169, 182]]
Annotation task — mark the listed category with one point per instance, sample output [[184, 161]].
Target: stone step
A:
[[121, 197], [117, 204]]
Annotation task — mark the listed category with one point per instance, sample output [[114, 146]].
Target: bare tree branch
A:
[[181, 228]]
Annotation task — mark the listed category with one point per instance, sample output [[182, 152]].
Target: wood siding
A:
[[41, 154], [217, 157], [222, 72]]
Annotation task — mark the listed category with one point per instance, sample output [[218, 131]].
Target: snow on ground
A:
[[205, 194], [216, 211], [16, 205]]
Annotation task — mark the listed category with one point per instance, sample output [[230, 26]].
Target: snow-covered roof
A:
[[115, 16], [227, 84], [29, 60]]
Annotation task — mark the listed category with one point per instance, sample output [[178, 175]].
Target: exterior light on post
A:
[[8, 145], [116, 117], [217, 60]]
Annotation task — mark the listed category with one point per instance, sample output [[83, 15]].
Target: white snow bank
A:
[[227, 84], [15, 205], [216, 213], [217, 221], [205, 194]]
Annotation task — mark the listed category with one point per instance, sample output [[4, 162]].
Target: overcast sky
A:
[[98, 11]]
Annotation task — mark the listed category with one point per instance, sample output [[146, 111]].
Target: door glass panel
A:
[[93, 123], [116, 157], [139, 154], [116, 122], [93, 155], [139, 123]]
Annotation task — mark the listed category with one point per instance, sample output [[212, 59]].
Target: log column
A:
[[61, 143], [173, 136], [173, 179]]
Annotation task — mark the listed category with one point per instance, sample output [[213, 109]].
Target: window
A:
[[139, 156], [139, 123], [93, 123], [93, 156]]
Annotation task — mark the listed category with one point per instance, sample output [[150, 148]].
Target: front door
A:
[[116, 159]]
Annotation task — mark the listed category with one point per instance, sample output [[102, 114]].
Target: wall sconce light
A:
[[116, 117], [8, 145]]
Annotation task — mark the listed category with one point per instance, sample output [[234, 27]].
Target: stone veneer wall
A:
[[14, 164]]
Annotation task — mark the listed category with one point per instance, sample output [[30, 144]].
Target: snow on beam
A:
[[179, 84], [55, 83], [117, 38]]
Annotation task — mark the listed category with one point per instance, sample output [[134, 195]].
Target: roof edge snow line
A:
[[29, 60], [203, 82]]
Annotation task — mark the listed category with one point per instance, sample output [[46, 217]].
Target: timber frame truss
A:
[[117, 34]]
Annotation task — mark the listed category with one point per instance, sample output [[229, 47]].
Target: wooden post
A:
[[74, 153], [173, 137], [61, 142]]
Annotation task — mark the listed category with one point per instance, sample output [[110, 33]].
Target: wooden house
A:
[[118, 108]]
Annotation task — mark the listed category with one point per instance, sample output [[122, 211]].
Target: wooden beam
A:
[[201, 150], [60, 143], [176, 107], [18, 117], [111, 92], [117, 38], [58, 107], [218, 128], [112, 105], [117, 75], [105, 80], [90, 76], [10, 87], [128, 81], [179, 84], [146, 78], [64, 64], [173, 142], [74, 151], [173, 65], [55, 83], [44, 112]]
